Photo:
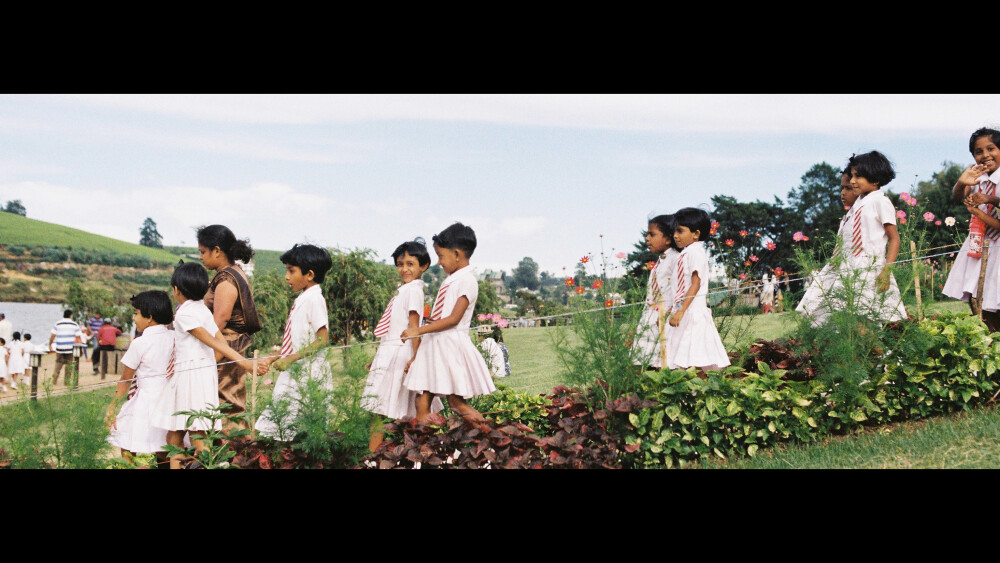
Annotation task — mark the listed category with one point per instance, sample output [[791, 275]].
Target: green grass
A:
[[263, 260], [16, 230]]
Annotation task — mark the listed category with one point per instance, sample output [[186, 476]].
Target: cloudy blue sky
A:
[[535, 175]]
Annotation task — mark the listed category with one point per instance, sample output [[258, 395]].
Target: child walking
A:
[[16, 364], [977, 189], [447, 362], [146, 363], [384, 392], [306, 332], [695, 340], [648, 346], [192, 380]]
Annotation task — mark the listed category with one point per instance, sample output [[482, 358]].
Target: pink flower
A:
[[729, 242], [937, 223], [779, 272], [902, 221], [481, 317], [585, 259], [267, 381], [609, 303], [799, 236], [598, 284], [715, 225], [743, 233], [904, 196], [570, 282], [620, 256], [901, 214], [928, 216], [746, 262], [770, 245], [753, 257], [743, 276], [911, 202], [650, 265], [579, 290], [502, 324]]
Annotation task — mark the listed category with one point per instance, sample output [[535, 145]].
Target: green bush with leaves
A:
[[510, 405]]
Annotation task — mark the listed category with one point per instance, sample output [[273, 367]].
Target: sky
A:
[[537, 175]]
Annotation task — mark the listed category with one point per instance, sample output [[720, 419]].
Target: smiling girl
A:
[[384, 392], [977, 189]]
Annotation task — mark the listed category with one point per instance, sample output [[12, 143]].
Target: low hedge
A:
[[948, 363]]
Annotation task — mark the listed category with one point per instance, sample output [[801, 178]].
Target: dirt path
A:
[[88, 378]]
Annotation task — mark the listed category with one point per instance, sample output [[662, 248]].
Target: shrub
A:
[[506, 405]]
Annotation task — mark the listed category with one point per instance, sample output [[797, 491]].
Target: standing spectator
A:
[[106, 342], [6, 328], [64, 335], [94, 325]]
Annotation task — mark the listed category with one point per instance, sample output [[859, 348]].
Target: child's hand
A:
[[281, 364], [675, 319], [110, 420], [406, 368], [882, 283], [975, 199], [248, 366], [971, 173], [408, 333]]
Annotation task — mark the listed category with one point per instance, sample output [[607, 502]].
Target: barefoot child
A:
[[145, 362], [192, 377], [306, 332], [384, 392], [447, 362], [659, 293], [977, 188], [695, 340]]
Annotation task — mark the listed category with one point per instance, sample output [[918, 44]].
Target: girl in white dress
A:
[[648, 347], [695, 341], [306, 333], [448, 363], [192, 377], [868, 243], [146, 362], [16, 364], [977, 188], [384, 392]]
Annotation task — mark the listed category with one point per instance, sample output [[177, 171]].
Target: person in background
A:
[[6, 328], [94, 325], [106, 337], [64, 334]]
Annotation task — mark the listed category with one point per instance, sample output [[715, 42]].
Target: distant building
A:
[[496, 279]]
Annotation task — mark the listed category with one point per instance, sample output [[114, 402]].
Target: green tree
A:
[[935, 196], [149, 236], [815, 204], [16, 207], [525, 275], [357, 290], [488, 300]]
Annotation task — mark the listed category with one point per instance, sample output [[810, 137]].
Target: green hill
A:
[[16, 230], [263, 260]]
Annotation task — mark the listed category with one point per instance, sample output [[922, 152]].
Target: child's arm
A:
[[281, 364], [217, 343], [441, 324], [990, 221], [979, 198], [120, 391], [890, 256], [675, 319], [966, 180], [414, 324]]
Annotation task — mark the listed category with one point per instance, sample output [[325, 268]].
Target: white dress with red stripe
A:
[[963, 281], [695, 341], [307, 316], [195, 383], [647, 335], [148, 357], [852, 276], [384, 391], [447, 362]]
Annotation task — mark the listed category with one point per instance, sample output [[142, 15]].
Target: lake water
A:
[[37, 319]]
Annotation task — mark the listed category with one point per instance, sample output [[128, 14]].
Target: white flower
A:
[[950, 221]]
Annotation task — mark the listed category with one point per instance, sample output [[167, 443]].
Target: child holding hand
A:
[[306, 332]]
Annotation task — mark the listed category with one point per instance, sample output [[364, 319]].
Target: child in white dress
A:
[[869, 243], [648, 346], [306, 332], [192, 377], [384, 392], [694, 341], [448, 363], [977, 188], [16, 364], [144, 378]]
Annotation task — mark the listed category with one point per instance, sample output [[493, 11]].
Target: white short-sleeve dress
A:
[[447, 362], [647, 335], [384, 391], [148, 355], [860, 258], [15, 363], [963, 281], [195, 383], [307, 316], [695, 341]]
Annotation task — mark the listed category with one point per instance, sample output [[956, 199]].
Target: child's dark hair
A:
[[416, 248], [497, 334], [27, 336], [191, 279], [220, 235], [666, 224], [457, 236], [309, 257], [695, 220], [16, 335], [872, 166], [154, 304], [993, 134]]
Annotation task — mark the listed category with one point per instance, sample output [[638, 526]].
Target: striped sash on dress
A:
[[286, 340], [382, 328], [439, 302]]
